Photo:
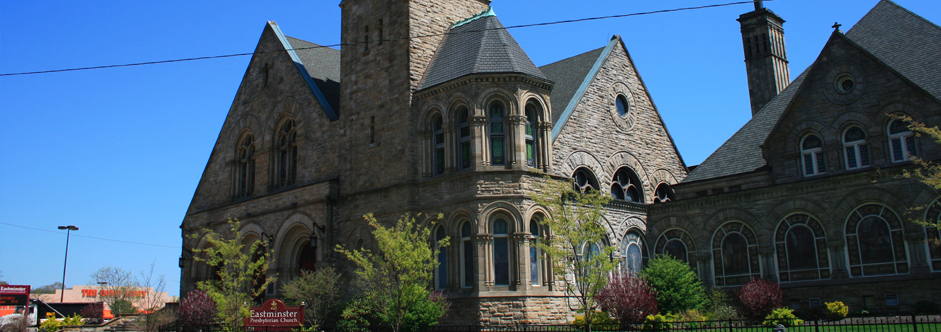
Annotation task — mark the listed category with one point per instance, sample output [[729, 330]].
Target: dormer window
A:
[[812, 156], [901, 141], [855, 149]]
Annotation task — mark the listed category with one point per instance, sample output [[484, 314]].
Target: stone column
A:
[[838, 262], [426, 156], [544, 129], [917, 260], [516, 142], [523, 280], [450, 147], [484, 262], [479, 140], [767, 262]]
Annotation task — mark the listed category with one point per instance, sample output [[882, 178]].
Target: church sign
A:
[[14, 294], [274, 313]]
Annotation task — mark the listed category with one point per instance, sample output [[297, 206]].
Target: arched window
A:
[[663, 194], [497, 135], [812, 155], [874, 242], [501, 253], [800, 245], [734, 254], [467, 256], [286, 154], [535, 255], [437, 146], [441, 272], [245, 167], [307, 260], [674, 243], [626, 187], [584, 180], [532, 150], [901, 141], [933, 243], [465, 158], [634, 253], [855, 149]]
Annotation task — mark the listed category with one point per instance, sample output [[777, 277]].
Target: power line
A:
[[92, 237], [384, 40]]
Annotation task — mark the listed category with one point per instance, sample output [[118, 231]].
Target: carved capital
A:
[[515, 119], [478, 120]]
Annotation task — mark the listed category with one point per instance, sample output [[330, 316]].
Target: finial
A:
[[836, 26]]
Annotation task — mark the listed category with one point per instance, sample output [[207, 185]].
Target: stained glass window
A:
[[467, 256], [530, 136], [441, 272], [800, 246], [622, 105], [734, 254], [633, 253], [856, 151], [463, 140], [438, 136], [933, 242], [812, 155], [664, 193], [874, 242], [626, 187], [286, 162], [245, 172], [673, 242], [535, 259], [497, 136], [501, 253], [901, 141], [584, 180]]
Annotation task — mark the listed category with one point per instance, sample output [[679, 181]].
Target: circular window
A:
[[623, 106], [845, 83]]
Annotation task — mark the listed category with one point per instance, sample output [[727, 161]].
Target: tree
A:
[[628, 298], [678, 287], [238, 266], [393, 282], [577, 242], [197, 309], [117, 290], [321, 292], [153, 300], [47, 289], [928, 172], [93, 313]]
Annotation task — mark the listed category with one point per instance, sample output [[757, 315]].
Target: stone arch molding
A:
[[584, 159], [244, 123], [857, 198], [795, 134], [898, 108], [798, 205], [735, 215], [500, 207], [294, 230], [495, 93], [287, 106], [662, 176], [853, 118]]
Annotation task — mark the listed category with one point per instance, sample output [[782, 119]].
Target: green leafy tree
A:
[[928, 172], [116, 290], [238, 264], [321, 292], [393, 282], [577, 245], [678, 287], [47, 289]]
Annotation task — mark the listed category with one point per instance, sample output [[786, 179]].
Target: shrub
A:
[[837, 310], [783, 316], [50, 324], [122, 306], [321, 291], [678, 287], [74, 320], [926, 307], [716, 306], [628, 298], [600, 321], [759, 297], [660, 321], [94, 313], [197, 309]]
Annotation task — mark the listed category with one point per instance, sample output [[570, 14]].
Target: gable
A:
[[568, 76]]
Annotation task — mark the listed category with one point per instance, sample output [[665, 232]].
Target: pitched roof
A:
[[904, 41], [479, 44], [323, 65], [302, 68], [567, 76], [742, 152]]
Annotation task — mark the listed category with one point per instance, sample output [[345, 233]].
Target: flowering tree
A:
[[197, 309], [628, 298], [759, 298]]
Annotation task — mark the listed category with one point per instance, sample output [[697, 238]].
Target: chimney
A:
[[765, 55]]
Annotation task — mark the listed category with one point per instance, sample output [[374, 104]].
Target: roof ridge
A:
[[485, 13], [890, 2]]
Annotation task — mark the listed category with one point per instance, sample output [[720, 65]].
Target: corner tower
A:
[[765, 55]]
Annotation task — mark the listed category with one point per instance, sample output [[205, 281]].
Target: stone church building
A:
[[432, 106]]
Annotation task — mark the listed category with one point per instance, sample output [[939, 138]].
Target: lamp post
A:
[[68, 232]]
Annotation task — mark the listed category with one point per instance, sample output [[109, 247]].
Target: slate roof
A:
[[568, 75], [323, 65], [899, 38], [903, 40], [478, 45]]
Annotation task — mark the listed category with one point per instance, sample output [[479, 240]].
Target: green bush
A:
[[660, 321], [601, 321], [927, 307], [717, 307], [678, 287], [783, 316], [837, 310]]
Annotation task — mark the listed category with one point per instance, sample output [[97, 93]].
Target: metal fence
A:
[[907, 323]]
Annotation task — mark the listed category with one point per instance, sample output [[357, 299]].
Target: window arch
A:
[[800, 246], [467, 256], [626, 187], [933, 243], [874, 242], [734, 254], [245, 167], [501, 252], [663, 194], [531, 134], [536, 261], [437, 146], [812, 156], [675, 243], [901, 141], [285, 164], [497, 134], [441, 272], [464, 155], [634, 253], [855, 149], [584, 180]]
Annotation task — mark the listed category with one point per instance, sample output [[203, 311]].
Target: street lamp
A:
[[68, 232]]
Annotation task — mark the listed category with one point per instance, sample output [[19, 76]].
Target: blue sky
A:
[[118, 152]]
